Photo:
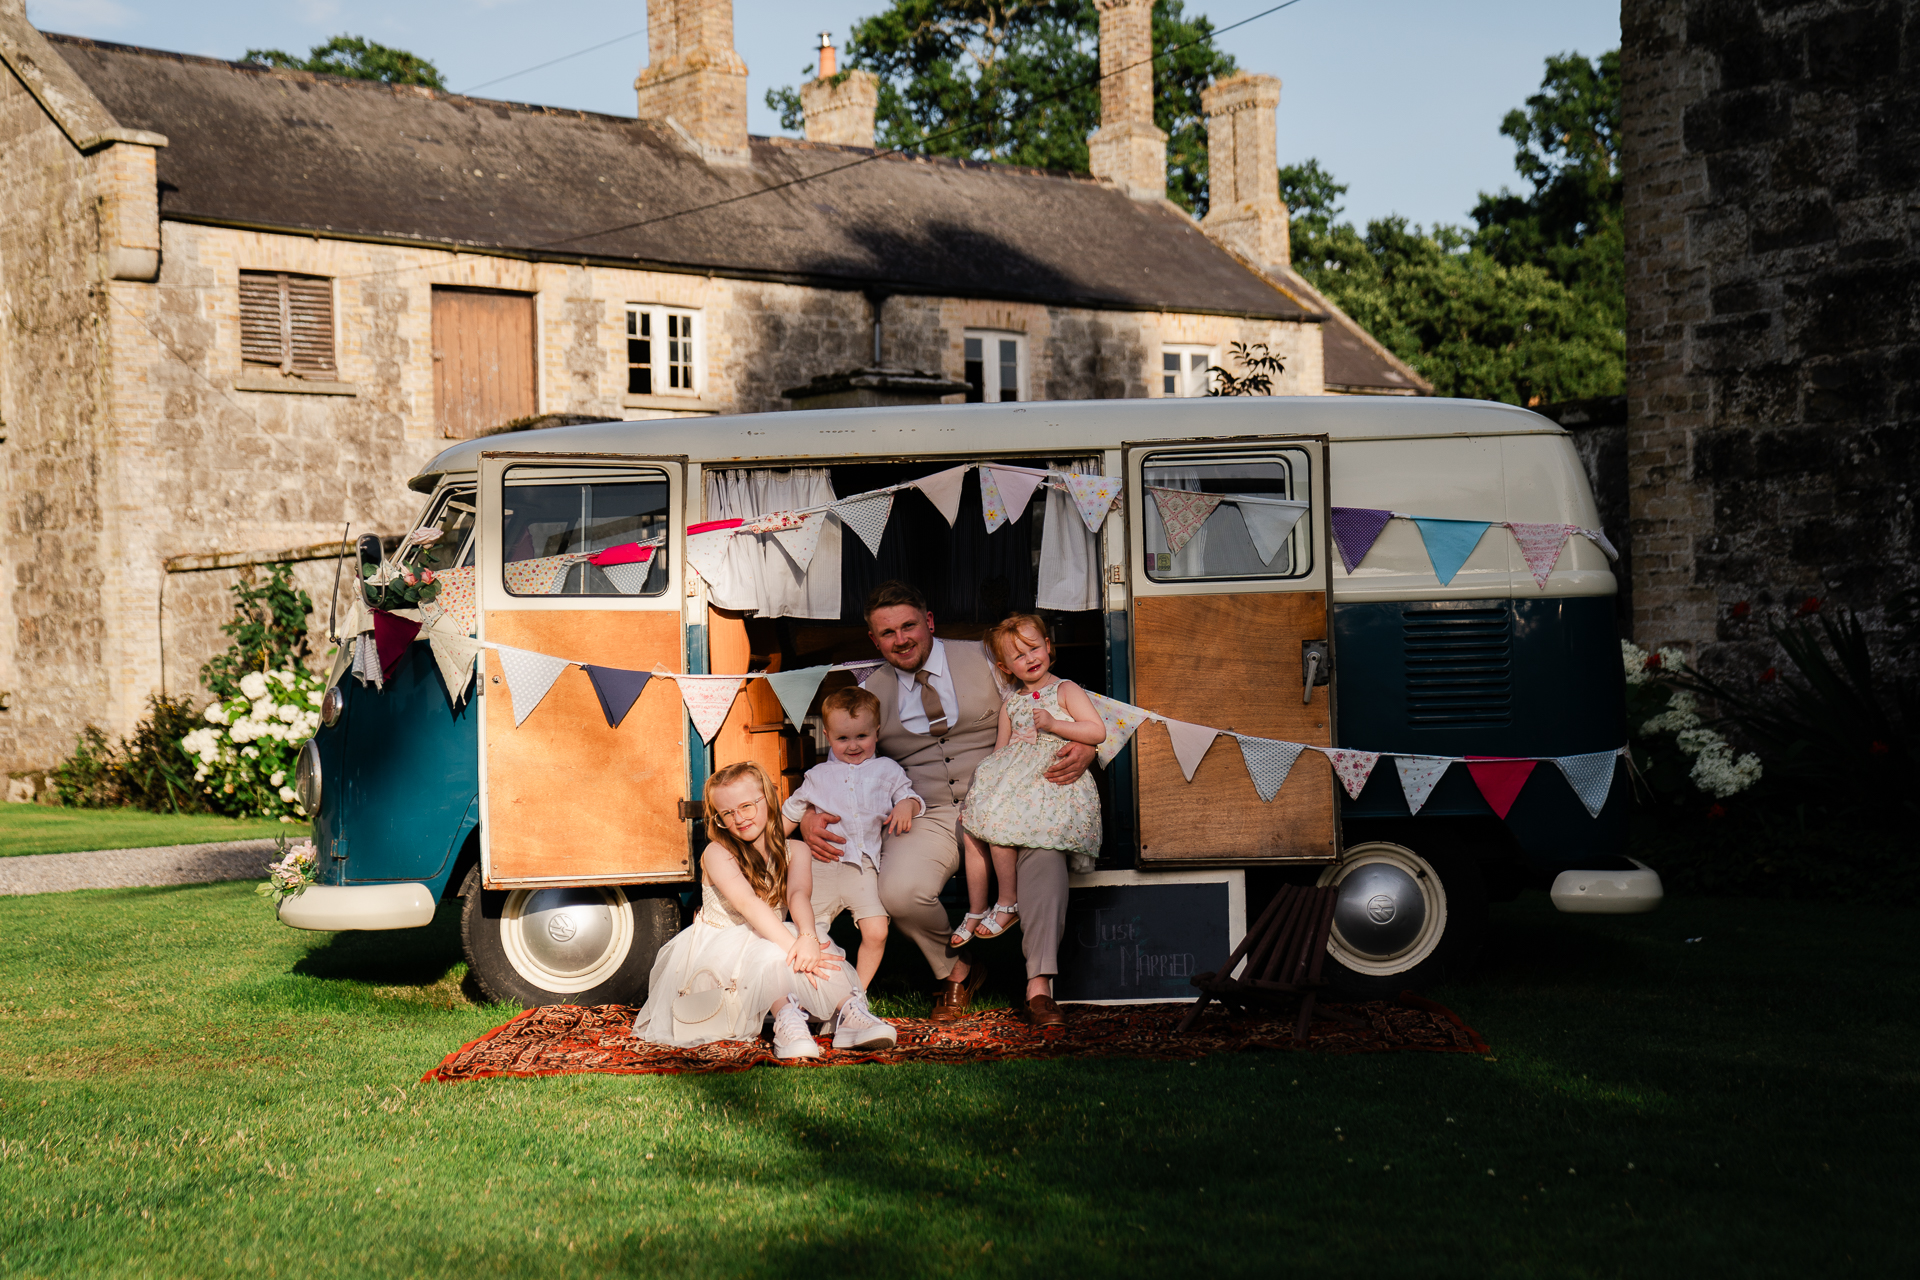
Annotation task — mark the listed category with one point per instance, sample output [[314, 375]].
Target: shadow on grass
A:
[[422, 957]]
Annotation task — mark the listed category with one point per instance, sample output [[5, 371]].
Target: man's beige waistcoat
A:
[[941, 769]]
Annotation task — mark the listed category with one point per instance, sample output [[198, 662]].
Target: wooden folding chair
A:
[[1283, 953]]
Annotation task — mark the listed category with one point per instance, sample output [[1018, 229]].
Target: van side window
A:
[[452, 514], [553, 518], [1249, 533]]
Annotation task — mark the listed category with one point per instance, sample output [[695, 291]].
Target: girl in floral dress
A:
[[1010, 806]]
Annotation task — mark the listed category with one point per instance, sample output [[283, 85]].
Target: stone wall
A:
[[1772, 161]]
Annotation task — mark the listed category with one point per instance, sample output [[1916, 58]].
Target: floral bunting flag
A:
[[1015, 487], [617, 688], [708, 699], [1352, 767], [1092, 496], [538, 577], [795, 689], [802, 540], [1419, 775], [992, 509], [1268, 762], [1449, 543], [529, 676], [707, 551], [943, 491], [1499, 779], [1121, 720], [1182, 512], [1190, 743], [868, 518], [453, 608], [1590, 776], [1355, 530], [1540, 546], [1270, 524], [773, 522]]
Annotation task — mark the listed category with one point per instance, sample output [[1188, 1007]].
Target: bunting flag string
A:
[[1121, 719], [708, 699], [867, 517], [393, 633], [1093, 496], [1591, 776], [795, 689], [1419, 775], [1182, 512], [628, 578], [1355, 530], [529, 676], [943, 491], [538, 577], [1269, 761], [454, 606], [1190, 743], [1015, 486], [992, 508], [1270, 524], [1352, 767], [1540, 546], [453, 652], [1499, 779], [1449, 542], [617, 688], [800, 541]]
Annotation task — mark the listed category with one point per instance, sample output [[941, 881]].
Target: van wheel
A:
[[585, 945], [1402, 920]]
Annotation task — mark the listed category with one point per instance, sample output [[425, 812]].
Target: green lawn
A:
[[187, 1088], [39, 828]]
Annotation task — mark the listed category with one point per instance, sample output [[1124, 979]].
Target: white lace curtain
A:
[[758, 575]]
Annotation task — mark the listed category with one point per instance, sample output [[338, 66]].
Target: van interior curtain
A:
[[1069, 567], [757, 575]]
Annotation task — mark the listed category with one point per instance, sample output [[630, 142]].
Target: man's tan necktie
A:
[[930, 703]]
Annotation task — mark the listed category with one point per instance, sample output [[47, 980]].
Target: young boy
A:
[[868, 791]]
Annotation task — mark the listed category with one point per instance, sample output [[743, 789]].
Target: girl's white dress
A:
[[720, 950]]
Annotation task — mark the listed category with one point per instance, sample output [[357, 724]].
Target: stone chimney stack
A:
[[1244, 211], [839, 111], [1127, 149], [693, 77]]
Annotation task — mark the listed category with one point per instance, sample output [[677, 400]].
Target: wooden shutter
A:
[[261, 331], [483, 371], [310, 324], [287, 321]]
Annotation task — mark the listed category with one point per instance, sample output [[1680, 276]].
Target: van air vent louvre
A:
[[1459, 668]]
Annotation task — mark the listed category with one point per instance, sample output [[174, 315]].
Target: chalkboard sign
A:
[[1136, 937]]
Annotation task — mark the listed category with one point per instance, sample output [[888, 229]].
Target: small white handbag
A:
[[712, 1012]]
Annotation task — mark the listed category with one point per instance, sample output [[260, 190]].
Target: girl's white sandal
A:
[[964, 932], [986, 929]]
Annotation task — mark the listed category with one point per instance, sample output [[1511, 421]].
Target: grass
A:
[[39, 828], [1724, 1088]]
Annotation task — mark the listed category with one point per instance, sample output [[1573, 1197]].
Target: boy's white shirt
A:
[[862, 794]]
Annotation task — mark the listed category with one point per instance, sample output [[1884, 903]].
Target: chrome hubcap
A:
[[567, 940], [1391, 910]]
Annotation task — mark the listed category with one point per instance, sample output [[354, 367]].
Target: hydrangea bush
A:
[[1677, 753], [245, 753]]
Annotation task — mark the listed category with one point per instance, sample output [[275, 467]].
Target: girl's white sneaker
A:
[[857, 1028], [791, 1038]]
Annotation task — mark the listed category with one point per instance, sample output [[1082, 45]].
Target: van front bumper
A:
[[1608, 892], [333, 907]]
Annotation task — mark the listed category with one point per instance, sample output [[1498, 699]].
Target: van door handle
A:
[[1314, 667]]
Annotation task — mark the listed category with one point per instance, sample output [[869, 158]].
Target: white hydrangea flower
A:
[[1634, 659], [254, 685], [251, 753], [1679, 715], [284, 677], [1720, 775], [1694, 741], [287, 795], [278, 778], [216, 713]]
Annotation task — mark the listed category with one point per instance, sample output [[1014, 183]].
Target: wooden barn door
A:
[[1224, 622], [483, 360]]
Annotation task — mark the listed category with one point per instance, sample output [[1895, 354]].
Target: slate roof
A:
[[309, 153]]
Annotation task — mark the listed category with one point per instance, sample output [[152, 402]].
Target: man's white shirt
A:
[[861, 794]]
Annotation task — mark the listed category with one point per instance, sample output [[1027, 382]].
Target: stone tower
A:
[[1127, 149], [1243, 176], [693, 76], [839, 109]]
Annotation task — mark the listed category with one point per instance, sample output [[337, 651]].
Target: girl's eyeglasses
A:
[[744, 810]]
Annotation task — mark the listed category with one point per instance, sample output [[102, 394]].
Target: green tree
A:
[[1312, 198], [1017, 81], [268, 630], [356, 58]]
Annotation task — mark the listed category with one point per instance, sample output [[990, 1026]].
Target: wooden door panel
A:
[[483, 360], [754, 727], [1231, 662], [569, 799]]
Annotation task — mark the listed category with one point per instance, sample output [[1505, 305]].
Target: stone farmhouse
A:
[[244, 305]]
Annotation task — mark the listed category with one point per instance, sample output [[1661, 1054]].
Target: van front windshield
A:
[[453, 517]]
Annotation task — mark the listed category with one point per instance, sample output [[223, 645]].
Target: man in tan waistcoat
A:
[[939, 717]]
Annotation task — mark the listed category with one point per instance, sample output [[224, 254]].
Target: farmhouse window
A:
[[663, 352], [996, 367], [286, 322], [1183, 371], [483, 370]]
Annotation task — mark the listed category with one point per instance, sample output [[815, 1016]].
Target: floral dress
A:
[[1010, 803]]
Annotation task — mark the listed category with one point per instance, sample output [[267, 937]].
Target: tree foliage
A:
[[1017, 81], [268, 631], [357, 58]]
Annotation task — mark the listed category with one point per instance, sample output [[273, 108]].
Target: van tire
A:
[[1376, 959], [517, 942]]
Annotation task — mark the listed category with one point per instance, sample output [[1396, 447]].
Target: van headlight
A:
[[306, 778], [332, 703]]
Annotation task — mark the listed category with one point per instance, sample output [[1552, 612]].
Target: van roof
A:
[[1056, 427]]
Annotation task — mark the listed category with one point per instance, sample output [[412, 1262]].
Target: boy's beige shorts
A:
[[845, 886]]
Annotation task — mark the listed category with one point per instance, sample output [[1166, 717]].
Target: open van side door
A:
[[564, 799], [1225, 624]]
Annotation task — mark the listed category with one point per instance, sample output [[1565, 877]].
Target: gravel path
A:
[[126, 868]]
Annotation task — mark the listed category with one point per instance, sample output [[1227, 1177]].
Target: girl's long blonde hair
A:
[[764, 863]]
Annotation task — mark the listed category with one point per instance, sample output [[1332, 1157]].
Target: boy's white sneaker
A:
[[791, 1038], [857, 1028]]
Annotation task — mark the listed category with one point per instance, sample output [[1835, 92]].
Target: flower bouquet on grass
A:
[[292, 874], [402, 582]]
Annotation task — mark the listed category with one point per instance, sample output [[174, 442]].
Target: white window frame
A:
[[990, 367], [1189, 381], [657, 317]]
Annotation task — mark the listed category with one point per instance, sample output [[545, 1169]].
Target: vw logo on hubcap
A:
[[560, 927], [1380, 908]]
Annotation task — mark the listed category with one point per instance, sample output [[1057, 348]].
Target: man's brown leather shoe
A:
[[951, 999], [1043, 1012]]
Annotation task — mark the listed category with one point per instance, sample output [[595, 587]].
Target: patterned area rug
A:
[[567, 1039]]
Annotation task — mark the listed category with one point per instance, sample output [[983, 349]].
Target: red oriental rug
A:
[[568, 1039]]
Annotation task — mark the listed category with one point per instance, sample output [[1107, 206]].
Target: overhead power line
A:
[[554, 62]]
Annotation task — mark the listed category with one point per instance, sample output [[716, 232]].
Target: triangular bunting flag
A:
[[707, 552], [392, 635], [1092, 497], [1121, 720], [795, 689], [1268, 763], [628, 579], [1182, 512], [868, 518], [1598, 539], [1270, 524], [1352, 767], [1355, 530], [1449, 543], [1499, 779], [773, 522], [992, 509], [1015, 487], [617, 688], [1590, 776], [625, 553], [1190, 743], [453, 653], [1418, 777], [801, 541], [708, 699], [1540, 546], [540, 577], [943, 491], [529, 676], [366, 660], [453, 608]]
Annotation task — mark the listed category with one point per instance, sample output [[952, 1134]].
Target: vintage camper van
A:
[[572, 841]]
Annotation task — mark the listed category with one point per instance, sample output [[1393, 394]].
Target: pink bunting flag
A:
[[773, 522], [1419, 775], [1499, 779], [943, 491], [1352, 767], [1092, 496], [625, 553], [1182, 512], [708, 699], [453, 608], [1015, 487], [1540, 546], [1190, 743]]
